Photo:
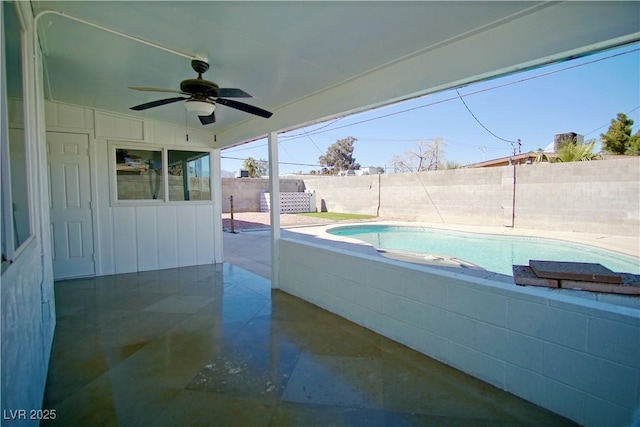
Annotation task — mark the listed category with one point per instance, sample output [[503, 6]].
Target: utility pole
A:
[[436, 144], [484, 150]]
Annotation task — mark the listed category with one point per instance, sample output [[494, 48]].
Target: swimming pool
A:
[[491, 252]]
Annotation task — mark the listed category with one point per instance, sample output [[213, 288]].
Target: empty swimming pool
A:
[[491, 252]]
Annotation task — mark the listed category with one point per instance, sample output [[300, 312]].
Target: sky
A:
[[581, 96]]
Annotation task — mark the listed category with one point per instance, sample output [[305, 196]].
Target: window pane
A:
[[189, 177], [19, 188], [139, 174], [17, 164]]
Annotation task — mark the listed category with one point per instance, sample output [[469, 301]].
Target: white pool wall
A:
[[574, 356]]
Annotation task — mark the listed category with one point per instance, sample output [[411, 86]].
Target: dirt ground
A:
[[256, 220]]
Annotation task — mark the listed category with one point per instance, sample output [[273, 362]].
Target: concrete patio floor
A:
[[214, 345]]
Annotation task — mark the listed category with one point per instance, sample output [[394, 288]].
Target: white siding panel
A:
[[113, 126], [147, 238], [167, 237], [71, 116], [124, 232], [204, 236], [186, 236], [16, 117], [163, 133], [51, 114]]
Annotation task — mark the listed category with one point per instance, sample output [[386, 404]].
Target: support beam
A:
[[216, 186], [274, 189]]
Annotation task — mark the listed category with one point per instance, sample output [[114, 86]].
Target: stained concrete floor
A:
[[214, 345]]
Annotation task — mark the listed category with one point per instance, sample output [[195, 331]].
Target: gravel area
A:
[[253, 220]]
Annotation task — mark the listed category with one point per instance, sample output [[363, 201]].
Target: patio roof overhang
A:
[[309, 61]]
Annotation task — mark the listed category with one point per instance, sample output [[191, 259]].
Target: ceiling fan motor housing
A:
[[199, 86]]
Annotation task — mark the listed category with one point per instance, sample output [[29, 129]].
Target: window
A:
[[189, 177], [155, 175], [139, 174], [16, 210]]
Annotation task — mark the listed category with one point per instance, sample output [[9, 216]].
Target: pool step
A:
[[582, 271], [579, 276]]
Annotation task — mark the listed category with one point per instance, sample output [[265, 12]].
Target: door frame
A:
[[93, 187]]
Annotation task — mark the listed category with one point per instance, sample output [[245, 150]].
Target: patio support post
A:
[[274, 212], [216, 186]]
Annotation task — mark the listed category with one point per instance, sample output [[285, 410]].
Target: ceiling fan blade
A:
[[157, 103], [244, 107], [153, 89], [207, 120], [232, 93]]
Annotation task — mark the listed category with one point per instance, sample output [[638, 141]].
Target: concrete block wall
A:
[[594, 197], [246, 192], [601, 196], [449, 196], [27, 323], [576, 357], [136, 187]]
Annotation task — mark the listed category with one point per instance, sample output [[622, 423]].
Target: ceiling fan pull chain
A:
[[186, 128]]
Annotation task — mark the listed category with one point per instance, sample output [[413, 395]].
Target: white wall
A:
[[575, 357], [138, 238]]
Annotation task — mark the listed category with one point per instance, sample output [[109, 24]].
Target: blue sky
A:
[[581, 96]]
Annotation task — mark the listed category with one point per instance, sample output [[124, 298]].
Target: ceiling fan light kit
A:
[[203, 96], [202, 108]]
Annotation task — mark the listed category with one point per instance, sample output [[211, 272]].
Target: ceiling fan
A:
[[203, 96]]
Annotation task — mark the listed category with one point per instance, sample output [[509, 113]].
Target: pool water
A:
[[491, 252]]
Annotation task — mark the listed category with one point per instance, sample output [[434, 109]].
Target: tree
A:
[[634, 145], [339, 156], [618, 139], [426, 156], [570, 151], [256, 168]]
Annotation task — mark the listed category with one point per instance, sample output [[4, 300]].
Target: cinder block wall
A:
[[598, 196], [246, 192], [575, 357]]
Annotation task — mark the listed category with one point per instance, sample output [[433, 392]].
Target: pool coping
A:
[[624, 245]]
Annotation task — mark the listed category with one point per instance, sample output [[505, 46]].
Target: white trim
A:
[[216, 195], [274, 187], [5, 166], [28, 96], [113, 144]]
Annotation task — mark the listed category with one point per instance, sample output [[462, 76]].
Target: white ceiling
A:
[[307, 61]]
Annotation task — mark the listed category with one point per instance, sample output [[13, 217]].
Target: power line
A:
[[480, 123], [312, 141], [469, 94], [246, 148], [305, 132], [608, 124], [280, 163]]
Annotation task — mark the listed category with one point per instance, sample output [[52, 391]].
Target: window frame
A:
[[113, 145], [10, 250]]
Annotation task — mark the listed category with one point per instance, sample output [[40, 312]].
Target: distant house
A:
[[519, 159], [369, 170]]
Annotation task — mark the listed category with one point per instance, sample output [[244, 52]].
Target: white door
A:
[[70, 198]]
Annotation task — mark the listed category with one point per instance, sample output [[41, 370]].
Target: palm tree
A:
[[571, 151]]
